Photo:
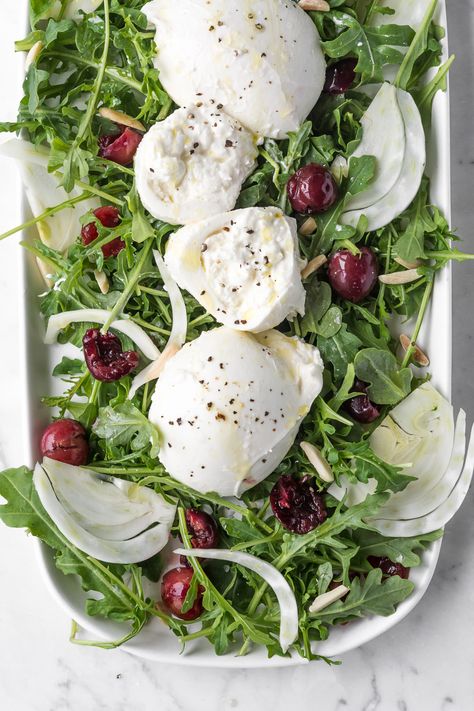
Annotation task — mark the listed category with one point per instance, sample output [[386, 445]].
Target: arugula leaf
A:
[[125, 424], [339, 350], [358, 461], [369, 596], [398, 550], [416, 49], [325, 534], [374, 47], [388, 383], [42, 9], [69, 366]]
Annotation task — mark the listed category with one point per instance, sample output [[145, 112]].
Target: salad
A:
[[238, 245]]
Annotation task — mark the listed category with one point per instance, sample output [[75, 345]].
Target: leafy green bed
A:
[[108, 59]]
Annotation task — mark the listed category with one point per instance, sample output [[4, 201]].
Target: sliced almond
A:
[[405, 277], [313, 266], [418, 355], [121, 118], [314, 5], [339, 168], [323, 601], [33, 54], [408, 265], [102, 281], [308, 227], [315, 457]]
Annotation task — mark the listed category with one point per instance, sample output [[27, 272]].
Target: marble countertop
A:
[[424, 664]]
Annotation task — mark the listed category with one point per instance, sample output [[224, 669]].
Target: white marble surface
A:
[[424, 664]]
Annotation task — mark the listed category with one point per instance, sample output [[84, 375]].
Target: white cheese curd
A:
[[193, 164], [243, 267], [228, 407], [260, 59]]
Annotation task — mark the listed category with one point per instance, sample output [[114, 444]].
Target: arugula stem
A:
[[96, 191], [70, 202], [419, 322], [449, 254], [412, 50], [108, 71], [127, 292]]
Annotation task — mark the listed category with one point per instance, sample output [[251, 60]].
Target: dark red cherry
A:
[[312, 189], [340, 76], [65, 441], [174, 588], [388, 567], [120, 148], [361, 408], [105, 358], [108, 216], [353, 276], [202, 529], [297, 505]]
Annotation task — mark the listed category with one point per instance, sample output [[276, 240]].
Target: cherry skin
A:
[[120, 148], [297, 505], [340, 76], [108, 216], [312, 189], [353, 276], [174, 588], [65, 441], [105, 358], [389, 568], [202, 529], [361, 408]]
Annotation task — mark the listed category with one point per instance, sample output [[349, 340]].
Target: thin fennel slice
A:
[[400, 196], [384, 138], [43, 191], [272, 576], [440, 516], [104, 516], [59, 321], [418, 435], [178, 331], [133, 547]]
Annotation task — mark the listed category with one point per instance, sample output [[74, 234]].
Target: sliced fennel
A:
[[178, 331], [419, 435], [43, 191], [401, 194], [407, 12], [107, 518], [384, 138], [59, 321], [272, 576]]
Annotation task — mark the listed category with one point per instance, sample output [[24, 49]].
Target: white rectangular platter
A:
[[156, 642]]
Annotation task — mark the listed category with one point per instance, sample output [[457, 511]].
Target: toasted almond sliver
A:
[[33, 54], [121, 118], [102, 281], [405, 277], [418, 355], [314, 5], [408, 265], [308, 227], [315, 457], [328, 598], [313, 266]]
